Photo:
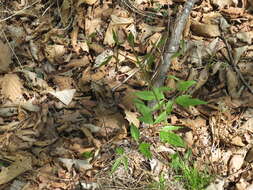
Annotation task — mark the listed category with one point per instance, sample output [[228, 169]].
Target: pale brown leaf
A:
[[12, 87]]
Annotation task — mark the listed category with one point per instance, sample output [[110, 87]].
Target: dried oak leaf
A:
[[5, 57], [12, 87]]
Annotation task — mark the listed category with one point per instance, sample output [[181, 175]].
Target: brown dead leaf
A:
[[236, 163], [5, 57], [63, 82], [12, 87], [55, 52], [132, 117], [82, 62], [206, 30]]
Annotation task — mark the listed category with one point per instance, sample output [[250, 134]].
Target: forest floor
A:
[[66, 107]]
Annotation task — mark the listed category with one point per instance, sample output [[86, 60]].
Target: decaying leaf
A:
[[5, 57]]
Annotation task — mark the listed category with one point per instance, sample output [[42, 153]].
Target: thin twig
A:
[[233, 63]]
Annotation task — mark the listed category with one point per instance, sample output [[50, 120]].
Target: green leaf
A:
[[165, 89], [144, 149], [125, 162], [87, 155], [186, 101], [148, 119], [173, 77], [142, 108], [145, 95], [171, 138], [130, 39], [158, 93], [115, 165], [169, 106], [184, 85], [161, 117], [170, 128], [120, 151], [158, 105], [135, 133]]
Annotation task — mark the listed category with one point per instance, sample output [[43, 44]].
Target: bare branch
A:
[[173, 44]]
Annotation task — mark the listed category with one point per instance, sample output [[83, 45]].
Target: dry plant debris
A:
[[63, 111]]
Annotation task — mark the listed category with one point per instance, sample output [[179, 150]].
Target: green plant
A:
[[158, 114], [122, 159], [186, 173]]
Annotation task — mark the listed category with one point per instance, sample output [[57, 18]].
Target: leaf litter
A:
[[65, 108]]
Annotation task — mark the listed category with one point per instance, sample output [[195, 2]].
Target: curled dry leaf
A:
[[5, 57], [12, 87]]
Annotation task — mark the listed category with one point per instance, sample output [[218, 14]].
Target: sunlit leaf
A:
[[125, 162], [116, 165], [171, 138], [184, 85], [186, 101], [169, 106], [145, 95], [120, 151], [173, 77], [170, 128], [135, 133], [144, 149], [161, 117]]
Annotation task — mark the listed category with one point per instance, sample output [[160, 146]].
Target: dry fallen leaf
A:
[[132, 117], [206, 30], [5, 57], [65, 96], [12, 87]]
